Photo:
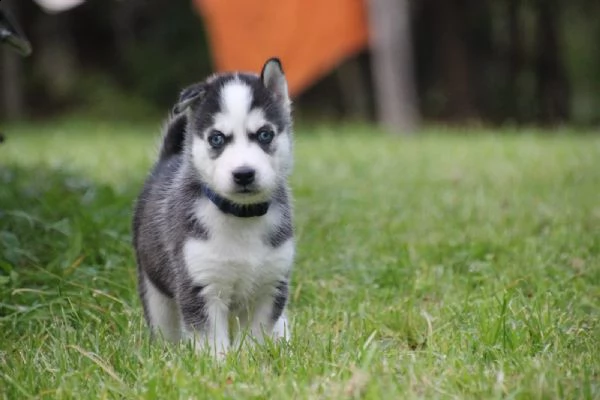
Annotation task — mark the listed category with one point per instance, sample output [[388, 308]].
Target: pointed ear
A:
[[190, 95], [274, 80]]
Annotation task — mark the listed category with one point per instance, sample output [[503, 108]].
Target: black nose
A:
[[243, 176]]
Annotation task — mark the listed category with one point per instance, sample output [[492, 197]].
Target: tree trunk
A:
[[124, 18], [553, 87], [56, 61], [354, 91], [12, 87], [11, 77], [392, 64], [450, 20], [515, 59]]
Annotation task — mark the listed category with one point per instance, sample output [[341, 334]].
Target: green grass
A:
[[450, 265]]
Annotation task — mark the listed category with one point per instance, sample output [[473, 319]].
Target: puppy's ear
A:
[[273, 79], [190, 95]]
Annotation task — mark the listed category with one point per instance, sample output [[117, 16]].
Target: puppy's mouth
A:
[[246, 190], [248, 194]]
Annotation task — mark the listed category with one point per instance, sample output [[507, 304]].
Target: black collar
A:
[[238, 210]]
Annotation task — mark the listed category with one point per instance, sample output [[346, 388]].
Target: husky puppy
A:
[[212, 227]]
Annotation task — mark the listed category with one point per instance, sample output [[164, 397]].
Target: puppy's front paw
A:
[[282, 329]]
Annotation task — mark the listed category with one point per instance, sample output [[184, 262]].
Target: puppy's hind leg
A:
[[162, 313]]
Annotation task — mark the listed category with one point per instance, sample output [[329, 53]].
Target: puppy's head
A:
[[239, 132]]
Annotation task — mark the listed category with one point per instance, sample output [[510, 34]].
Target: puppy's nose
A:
[[244, 176]]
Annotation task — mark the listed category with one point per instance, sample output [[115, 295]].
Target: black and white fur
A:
[[214, 244]]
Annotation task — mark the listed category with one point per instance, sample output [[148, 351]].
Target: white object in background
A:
[[56, 6]]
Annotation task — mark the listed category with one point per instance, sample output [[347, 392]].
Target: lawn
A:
[[449, 265]]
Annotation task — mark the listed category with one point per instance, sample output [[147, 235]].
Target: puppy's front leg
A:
[[217, 327], [206, 321], [268, 318]]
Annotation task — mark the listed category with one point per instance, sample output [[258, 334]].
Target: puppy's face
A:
[[239, 132]]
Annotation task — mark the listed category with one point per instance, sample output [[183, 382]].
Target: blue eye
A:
[[216, 139], [264, 135]]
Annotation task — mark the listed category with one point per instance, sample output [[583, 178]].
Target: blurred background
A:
[[397, 62]]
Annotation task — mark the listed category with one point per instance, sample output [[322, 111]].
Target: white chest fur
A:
[[237, 264]]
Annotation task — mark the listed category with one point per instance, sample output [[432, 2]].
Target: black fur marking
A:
[[158, 282], [268, 148], [214, 153], [174, 137], [142, 290], [266, 101], [205, 110], [280, 299], [281, 234], [151, 228], [189, 95], [192, 305], [284, 230], [150, 252], [197, 290], [196, 228]]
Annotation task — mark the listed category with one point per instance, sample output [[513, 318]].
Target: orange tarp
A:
[[311, 37]]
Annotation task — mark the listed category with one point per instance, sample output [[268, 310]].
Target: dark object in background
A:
[[1, 138], [11, 34]]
